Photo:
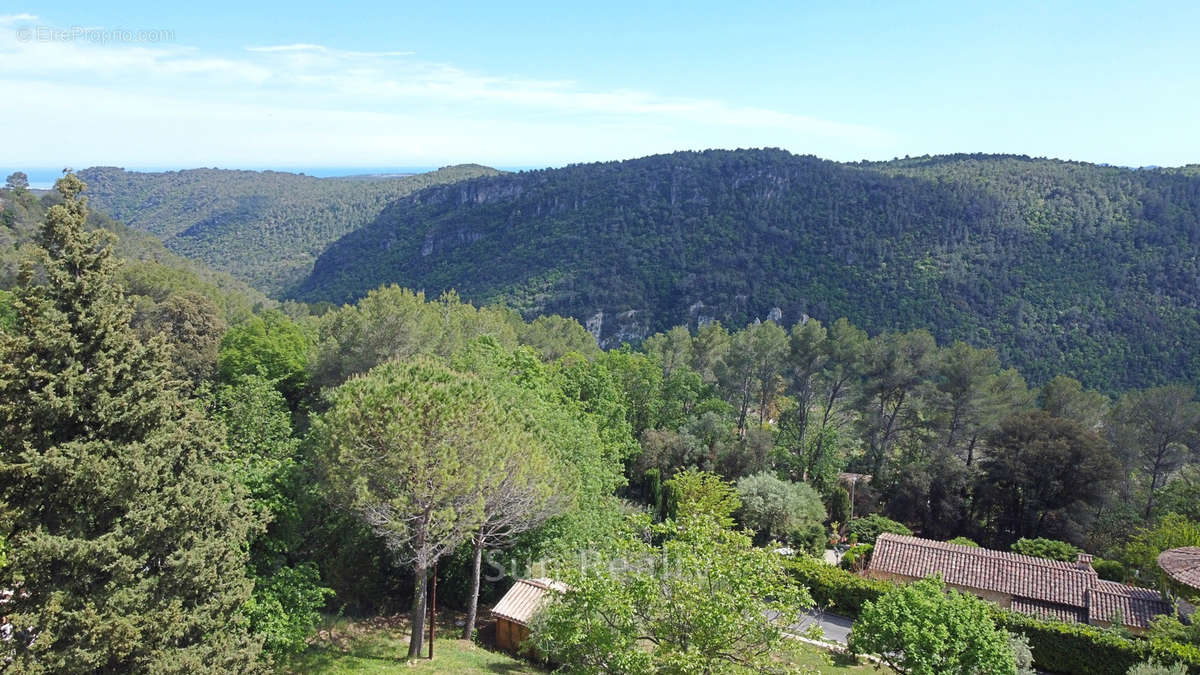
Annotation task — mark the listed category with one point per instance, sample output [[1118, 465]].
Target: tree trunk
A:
[[1153, 481], [473, 606], [417, 640], [743, 411], [952, 432]]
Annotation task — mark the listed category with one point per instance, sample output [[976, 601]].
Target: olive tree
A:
[[782, 510]]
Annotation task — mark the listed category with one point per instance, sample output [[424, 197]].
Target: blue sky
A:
[[398, 84]]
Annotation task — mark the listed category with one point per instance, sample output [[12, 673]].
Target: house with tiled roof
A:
[[1071, 592]]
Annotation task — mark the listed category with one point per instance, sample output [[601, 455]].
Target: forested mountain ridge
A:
[[264, 227], [150, 272], [528, 441], [1063, 266]]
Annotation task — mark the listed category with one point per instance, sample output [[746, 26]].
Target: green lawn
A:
[[810, 659], [380, 645]]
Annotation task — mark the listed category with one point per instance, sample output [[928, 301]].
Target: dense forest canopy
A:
[[150, 272], [1063, 267], [351, 455], [264, 227]]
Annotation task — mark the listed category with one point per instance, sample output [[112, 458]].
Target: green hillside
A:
[[150, 272], [264, 227], [1065, 267]]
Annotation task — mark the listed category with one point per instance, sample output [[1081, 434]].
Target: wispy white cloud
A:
[[298, 47], [307, 47], [313, 104]]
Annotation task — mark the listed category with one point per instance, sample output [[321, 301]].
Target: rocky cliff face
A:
[[1051, 262], [612, 329]]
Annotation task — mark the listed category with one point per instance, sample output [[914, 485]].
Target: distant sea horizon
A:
[[43, 178]]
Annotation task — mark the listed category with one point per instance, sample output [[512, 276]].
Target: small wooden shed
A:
[[516, 609]]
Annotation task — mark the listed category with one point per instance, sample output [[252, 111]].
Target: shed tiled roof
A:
[[524, 599], [1065, 591], [1182, 565]]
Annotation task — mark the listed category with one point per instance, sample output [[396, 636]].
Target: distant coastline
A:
[[43, 178]]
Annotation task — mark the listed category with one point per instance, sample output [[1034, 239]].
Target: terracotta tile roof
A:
[[997, 571], [1049, 610], [524, 599], [1065, 591], [1137, 606], [1182, 565]]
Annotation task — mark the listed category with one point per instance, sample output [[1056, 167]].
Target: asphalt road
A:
[[835, 626]]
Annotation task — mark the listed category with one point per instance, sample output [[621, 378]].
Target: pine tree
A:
[[125, 534], [413, 446]]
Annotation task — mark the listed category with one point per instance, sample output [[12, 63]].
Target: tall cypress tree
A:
[[125, 534]]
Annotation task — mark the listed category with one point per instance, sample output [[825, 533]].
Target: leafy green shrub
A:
[[1111, 570], [810, 538], [286, 606], [271, 345], [1169, 628], [923, 628], [1142, 550], [1051, 549], [963, 541], [705, 600], [837, 504], [834, 588], [1156, 668], [856, 558], [1069, 648], [866, 529], [1080, 649], [1022, 654]]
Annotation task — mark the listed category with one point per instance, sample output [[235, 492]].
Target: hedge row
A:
[[1073, 648], [834, 588], [1058, 647]]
